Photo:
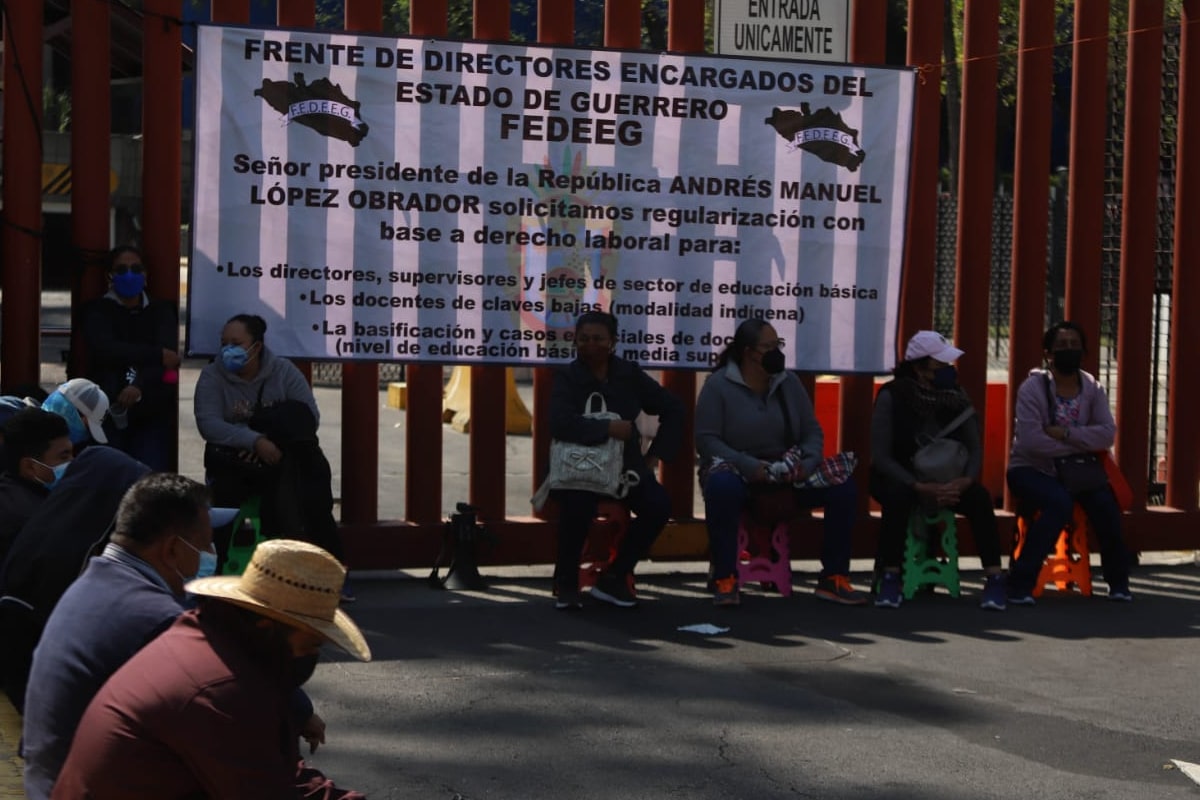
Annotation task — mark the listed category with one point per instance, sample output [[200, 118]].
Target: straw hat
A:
[[296, 583]]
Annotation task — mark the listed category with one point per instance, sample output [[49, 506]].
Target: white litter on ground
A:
[[703, 628], [1191, 770]]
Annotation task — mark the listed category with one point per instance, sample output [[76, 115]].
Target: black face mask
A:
[[772, 361], [945, 377], [1068, 361]]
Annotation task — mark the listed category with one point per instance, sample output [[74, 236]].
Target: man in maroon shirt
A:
[[203, 710]]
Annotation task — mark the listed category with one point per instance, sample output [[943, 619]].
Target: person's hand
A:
[[937, 494], [761, 474], [129, 396], [170, 359], [958, 486], [621, 429], [313, 732], [1058, 432], [266, 451]]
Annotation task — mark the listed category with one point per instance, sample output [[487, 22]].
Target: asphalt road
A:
[[496, 695]]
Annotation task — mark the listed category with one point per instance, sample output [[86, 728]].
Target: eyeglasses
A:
[[121, 269], [767, 347]]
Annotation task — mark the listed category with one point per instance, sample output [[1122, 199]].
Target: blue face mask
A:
[[58, 471], [234, 357], [128, 284], [56, 403], [208, 561], [945, 377]]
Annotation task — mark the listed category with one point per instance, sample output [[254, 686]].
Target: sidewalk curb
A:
[[12, 783]]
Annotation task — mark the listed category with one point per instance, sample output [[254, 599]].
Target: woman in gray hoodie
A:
[[274, 454], [750, 413]]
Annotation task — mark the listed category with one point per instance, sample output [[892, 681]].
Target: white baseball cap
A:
[[931, 344], [91, 403]]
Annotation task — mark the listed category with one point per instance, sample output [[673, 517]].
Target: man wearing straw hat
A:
[[203, 710]]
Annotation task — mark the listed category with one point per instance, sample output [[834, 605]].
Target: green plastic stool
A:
[[241, 545], [921, 568]]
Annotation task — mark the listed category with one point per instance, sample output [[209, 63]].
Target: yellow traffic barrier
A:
[[456, 403]]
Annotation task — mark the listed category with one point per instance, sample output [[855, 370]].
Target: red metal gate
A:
[[414, 541]]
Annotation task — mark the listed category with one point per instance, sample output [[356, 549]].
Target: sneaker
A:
[[614, 589], [1020, 597], [837, 589], [888, 594], [1119, 592], [568, 600], [995, 593], [725, 592]]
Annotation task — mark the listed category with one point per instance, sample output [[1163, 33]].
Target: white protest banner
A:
[[458, 202]]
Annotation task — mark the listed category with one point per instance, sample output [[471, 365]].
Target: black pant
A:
[[651, 506], [898, 502]]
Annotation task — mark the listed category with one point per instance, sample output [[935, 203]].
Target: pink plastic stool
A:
[[770, 561]]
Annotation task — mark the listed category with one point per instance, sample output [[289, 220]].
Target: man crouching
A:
[[204, 709]]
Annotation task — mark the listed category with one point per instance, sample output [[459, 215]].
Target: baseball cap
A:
[[933, 345], [91, 403]]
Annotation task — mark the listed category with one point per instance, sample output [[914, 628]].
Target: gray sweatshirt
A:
[[735, 423], [224, 402]]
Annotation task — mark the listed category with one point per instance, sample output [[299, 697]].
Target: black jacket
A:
[[628, 392], [124, 347]]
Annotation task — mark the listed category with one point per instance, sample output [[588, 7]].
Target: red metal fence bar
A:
[[1183, 425], [924, 52], [360, 380], [976, 188], [868, 45], [1085, 207], [488, 385], [1139, 211], [423, 412], [1035, 82], [22, 149], [90, 160], [162, 166]]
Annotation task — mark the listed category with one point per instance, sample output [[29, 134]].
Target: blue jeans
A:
[[651, 508], [1039, 492], [726, 495]]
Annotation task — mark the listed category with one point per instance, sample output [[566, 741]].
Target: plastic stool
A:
[[241, 543], [1070, 565], [603, 539], [770, 560], [922, 567]]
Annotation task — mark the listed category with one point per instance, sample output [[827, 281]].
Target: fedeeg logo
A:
[[319, 105], [822, 133]]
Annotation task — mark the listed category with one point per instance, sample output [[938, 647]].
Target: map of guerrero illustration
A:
[[823, 133], [319, 105]]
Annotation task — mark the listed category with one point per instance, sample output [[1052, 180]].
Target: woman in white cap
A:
[[199, 711], [923, 400], [83, 405]]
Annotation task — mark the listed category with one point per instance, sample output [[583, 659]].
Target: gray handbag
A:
[[598, 468], [941, 459]]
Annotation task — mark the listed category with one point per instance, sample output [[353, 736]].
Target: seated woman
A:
[[627, 391], [1062, 411], [921, 401], [258, 417], [750, 413]]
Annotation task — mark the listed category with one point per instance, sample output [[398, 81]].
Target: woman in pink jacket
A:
[[1061, 412]]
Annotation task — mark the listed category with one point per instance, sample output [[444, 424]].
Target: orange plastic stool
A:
[[769, 561], [603, 539], [1070, 564]]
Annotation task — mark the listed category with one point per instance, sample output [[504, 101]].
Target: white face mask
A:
[[208, 561]]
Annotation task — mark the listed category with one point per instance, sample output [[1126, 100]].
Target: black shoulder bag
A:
[[1079, 473]]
